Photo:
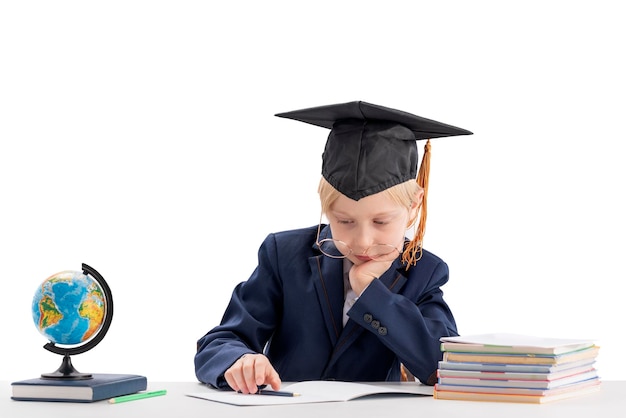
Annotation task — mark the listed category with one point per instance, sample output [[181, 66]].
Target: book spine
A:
[[124, 387]]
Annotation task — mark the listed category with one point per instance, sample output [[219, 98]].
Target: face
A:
[[375, 219]]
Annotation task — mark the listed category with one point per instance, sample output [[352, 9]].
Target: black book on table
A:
[[101, 386]]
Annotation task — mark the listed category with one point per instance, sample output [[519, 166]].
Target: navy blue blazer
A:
[[291, 310]]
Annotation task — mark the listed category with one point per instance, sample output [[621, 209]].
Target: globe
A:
[[73, 309], [69, 307]]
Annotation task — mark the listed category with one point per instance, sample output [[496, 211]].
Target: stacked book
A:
[[516, 368]]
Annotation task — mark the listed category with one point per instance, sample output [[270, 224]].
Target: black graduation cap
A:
[[370, 148]]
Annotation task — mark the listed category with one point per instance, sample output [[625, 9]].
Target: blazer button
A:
[[375, 324], [368, 318], [382, 331]]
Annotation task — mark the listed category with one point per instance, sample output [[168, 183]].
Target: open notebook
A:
[[317, 391]]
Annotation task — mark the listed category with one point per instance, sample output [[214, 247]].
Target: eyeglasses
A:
[[335, 248]]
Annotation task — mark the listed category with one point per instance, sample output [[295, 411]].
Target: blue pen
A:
[[273, 392], [276, 393]]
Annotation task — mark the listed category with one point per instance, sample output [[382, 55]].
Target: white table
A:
[[609, 402]]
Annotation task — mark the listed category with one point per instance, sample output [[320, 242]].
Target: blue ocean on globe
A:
[[68, 307]]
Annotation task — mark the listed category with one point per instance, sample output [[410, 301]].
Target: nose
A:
[[362, 239]]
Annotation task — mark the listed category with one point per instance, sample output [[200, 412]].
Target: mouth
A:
[[363, 258]]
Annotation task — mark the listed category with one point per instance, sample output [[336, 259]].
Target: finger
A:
[[234, 378], [264, 371], [273, 379], [249, 374], [366, 272], [260, 368], [266, 374]]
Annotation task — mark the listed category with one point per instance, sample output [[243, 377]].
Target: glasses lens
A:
[[333, 248], [383, 252]]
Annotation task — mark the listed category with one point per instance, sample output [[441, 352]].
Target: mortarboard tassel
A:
[[413, 251]]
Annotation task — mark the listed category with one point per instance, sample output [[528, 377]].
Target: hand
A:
[[251, 371], [363, 274]]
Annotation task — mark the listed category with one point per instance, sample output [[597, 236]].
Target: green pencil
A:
[[136, 396]]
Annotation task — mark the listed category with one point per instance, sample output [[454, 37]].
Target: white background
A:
[[138, 137]]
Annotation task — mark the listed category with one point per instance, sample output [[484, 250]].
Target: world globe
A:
[[73, 309], [68, 307]]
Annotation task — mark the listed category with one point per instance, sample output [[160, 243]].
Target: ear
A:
[[416, 204]]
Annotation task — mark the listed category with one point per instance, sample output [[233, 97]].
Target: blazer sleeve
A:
[[414, 320], [248, 321]]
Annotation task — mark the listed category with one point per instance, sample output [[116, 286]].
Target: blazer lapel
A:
[[327, 275]]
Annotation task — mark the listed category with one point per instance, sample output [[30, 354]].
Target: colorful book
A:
[[101, 386], [515, 368], [475, 374], [519, 383], [507, 397], [519, 391], [521, 358], [502, 343]]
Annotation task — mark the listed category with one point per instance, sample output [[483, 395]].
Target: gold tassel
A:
[[413, 251], [405, 374]]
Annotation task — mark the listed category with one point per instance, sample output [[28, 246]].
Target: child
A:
[[353, 300]]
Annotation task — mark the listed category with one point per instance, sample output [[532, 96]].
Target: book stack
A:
[[516, 368]]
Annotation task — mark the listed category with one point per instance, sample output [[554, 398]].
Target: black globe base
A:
[[67, 372]]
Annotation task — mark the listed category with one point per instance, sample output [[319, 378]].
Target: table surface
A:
[[610, 401]]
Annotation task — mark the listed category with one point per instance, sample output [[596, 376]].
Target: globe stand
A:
[[67, 371]]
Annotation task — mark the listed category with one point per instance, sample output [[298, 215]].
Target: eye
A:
[[344, 221]]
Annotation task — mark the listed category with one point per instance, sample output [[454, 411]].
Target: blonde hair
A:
[[403, 194]]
